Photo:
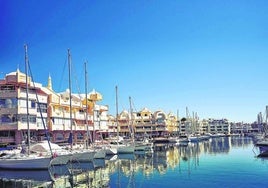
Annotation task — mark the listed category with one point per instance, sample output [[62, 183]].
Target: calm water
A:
[[220, 162]]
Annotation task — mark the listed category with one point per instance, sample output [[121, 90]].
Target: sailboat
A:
[[26, 160], [100, 153], [122, 148], [144, 146], [263, 142], [78, 155]]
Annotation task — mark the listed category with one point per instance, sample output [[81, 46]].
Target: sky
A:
[[209, 56]]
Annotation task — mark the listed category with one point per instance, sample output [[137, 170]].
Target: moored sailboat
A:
[[78, 154], [26, 160]]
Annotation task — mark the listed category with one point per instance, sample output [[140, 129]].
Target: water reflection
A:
[[124, 170]]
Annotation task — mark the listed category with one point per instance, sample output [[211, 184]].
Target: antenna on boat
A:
[[27, 97]]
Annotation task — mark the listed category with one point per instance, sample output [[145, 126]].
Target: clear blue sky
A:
[[210, 56]]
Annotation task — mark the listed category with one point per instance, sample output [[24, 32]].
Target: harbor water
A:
[[218, 162]]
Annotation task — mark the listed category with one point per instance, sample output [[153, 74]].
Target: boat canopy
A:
[[44, 147]]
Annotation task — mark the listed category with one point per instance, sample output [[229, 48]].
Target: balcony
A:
[[8, 110], [160, 129], [7, 140], [24, 110], [80, 116], [8, 94], [9, 126]]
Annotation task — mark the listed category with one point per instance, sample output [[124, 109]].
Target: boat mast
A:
[[88, 135], [131, 129], [27, 97], [29, 72], [266, 121], [178, 123], [70, 97], [116, 103]]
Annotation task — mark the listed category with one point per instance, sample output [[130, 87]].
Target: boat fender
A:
[[55, 155]]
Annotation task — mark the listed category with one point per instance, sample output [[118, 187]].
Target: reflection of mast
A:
[[197, 155], [131, 182], [118, 175], [116, 104]]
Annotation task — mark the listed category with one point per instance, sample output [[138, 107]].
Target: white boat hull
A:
[[61, 159], [125, 149], [100, 154], [82, 156], [143, 147], [26, 163]]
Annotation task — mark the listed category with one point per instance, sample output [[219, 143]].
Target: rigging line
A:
[[40, 111], [133, 105], [81, 79], [122, 107], [76, 80], [62, 74]]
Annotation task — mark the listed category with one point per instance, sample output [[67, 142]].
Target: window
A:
[[42, 107], [40, 122], [7, 88], [33, 104], [8, 103], [23, 104], [8, 118], [7, 133], [61, 121], [2, 103], [23, 118], [79, 136]]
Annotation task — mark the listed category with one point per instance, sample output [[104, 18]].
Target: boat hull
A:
[[25, 163], [83, 156], [125, 149], [100, 154], [61, 159]]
